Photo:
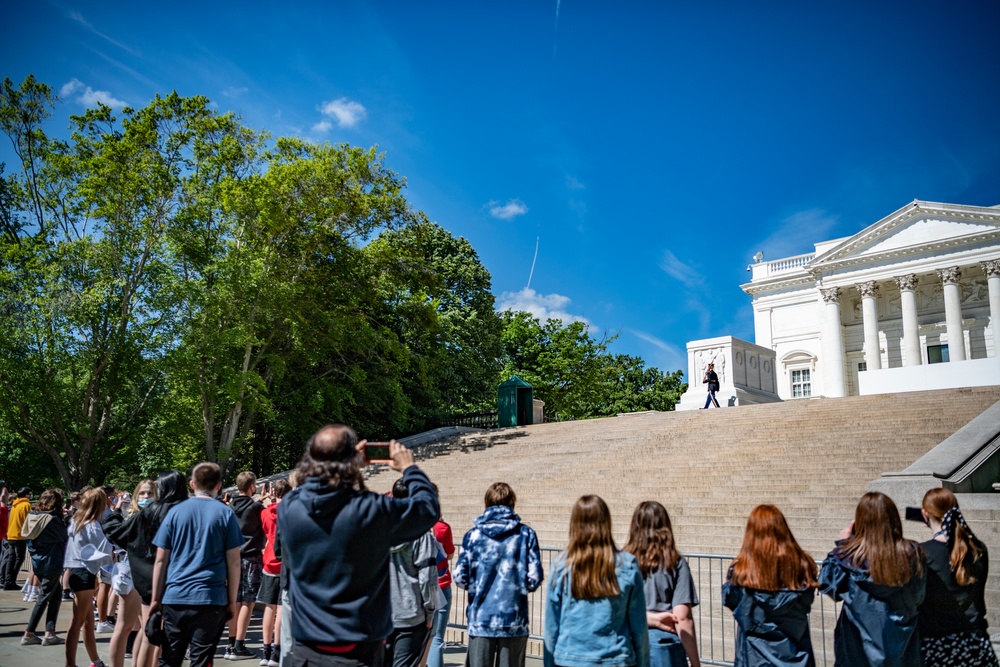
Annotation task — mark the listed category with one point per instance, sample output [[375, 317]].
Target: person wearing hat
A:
[[712, 380], [15, 547]]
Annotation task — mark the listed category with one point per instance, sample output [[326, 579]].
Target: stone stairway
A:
[[709, 468], [811, 458]]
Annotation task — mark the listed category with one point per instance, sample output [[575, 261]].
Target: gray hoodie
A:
[[413, 586]]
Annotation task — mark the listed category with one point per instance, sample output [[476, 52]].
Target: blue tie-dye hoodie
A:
[[499, 565]]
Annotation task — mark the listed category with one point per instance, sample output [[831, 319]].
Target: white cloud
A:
[[680, 271], [508, 211], [234, 91], [347, 112], [797, 234], [572, 183], [543, 306], [87, 96], [322, 127]]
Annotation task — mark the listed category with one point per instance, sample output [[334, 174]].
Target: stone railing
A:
[[789, 263]]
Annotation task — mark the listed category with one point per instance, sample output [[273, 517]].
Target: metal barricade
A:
[[714, 624]]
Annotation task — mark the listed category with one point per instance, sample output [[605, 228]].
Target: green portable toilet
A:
[[514, 403]]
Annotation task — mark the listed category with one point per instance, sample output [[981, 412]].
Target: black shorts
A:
[[82, 579], [270, 589], [251, 570]]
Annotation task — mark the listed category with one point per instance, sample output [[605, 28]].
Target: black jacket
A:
[[248, 515], [46, 538], [335, 546], [712, 379], [124, 534], [773, 626]]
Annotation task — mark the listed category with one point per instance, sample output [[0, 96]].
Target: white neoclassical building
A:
[[911, 302]]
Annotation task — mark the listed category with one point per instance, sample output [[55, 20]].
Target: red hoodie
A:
[[269, 520]]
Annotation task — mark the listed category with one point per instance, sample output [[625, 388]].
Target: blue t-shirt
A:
[[198, 532]]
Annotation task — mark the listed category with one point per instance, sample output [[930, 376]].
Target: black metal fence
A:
[[714, 624]]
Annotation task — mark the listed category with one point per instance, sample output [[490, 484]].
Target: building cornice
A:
[[801, 279], [845, 254]]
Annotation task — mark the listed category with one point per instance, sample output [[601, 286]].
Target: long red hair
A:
[[770, 558]]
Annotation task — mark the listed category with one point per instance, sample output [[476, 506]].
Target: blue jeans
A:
[[665, 649], [435, 657]]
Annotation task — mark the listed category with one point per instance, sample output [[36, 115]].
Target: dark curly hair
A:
[[332, 456]]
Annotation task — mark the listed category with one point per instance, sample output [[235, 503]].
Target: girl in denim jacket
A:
[[596, 608]]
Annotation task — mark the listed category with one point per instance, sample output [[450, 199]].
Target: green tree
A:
[[273, 277], [635, 388], [563, 362], [574, 374], [441, 297], [86, 313]]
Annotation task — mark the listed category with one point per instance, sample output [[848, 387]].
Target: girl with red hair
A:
[[770, 589]]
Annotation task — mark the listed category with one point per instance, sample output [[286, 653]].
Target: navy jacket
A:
[[877, 624], [335, 546], [773, 626], [47, 544]]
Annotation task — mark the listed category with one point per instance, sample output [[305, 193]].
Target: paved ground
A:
[[14, 614]]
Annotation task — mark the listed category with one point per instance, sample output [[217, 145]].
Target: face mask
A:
[[142, 502]]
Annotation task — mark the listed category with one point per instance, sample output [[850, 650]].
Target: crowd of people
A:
[[351, 578]]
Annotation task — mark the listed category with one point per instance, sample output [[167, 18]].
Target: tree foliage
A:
[[574, 374], [83, 270], [177, 286]]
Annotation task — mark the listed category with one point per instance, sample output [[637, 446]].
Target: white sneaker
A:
[[105, 627]]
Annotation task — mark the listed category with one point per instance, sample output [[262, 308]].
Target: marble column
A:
[[992, 271], [833, 344], [869, 315], [953, 312], [911, 330]]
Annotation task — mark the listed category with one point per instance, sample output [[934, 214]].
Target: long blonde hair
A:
[[590, 556], [92, 507]]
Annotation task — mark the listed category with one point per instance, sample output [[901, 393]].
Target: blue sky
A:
[[650, 148]]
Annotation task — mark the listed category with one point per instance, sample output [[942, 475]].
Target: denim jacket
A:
[[610, 631], [499, 565]]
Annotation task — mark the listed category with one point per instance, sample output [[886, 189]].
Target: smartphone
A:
[[914, 514], [377, 452]]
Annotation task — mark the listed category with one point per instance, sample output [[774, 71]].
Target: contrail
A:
[[555, 44], [535, 259]]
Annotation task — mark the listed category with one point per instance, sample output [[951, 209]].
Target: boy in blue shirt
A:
[[196, 575]]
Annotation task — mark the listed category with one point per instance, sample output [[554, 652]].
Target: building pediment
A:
[[916, 229]]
